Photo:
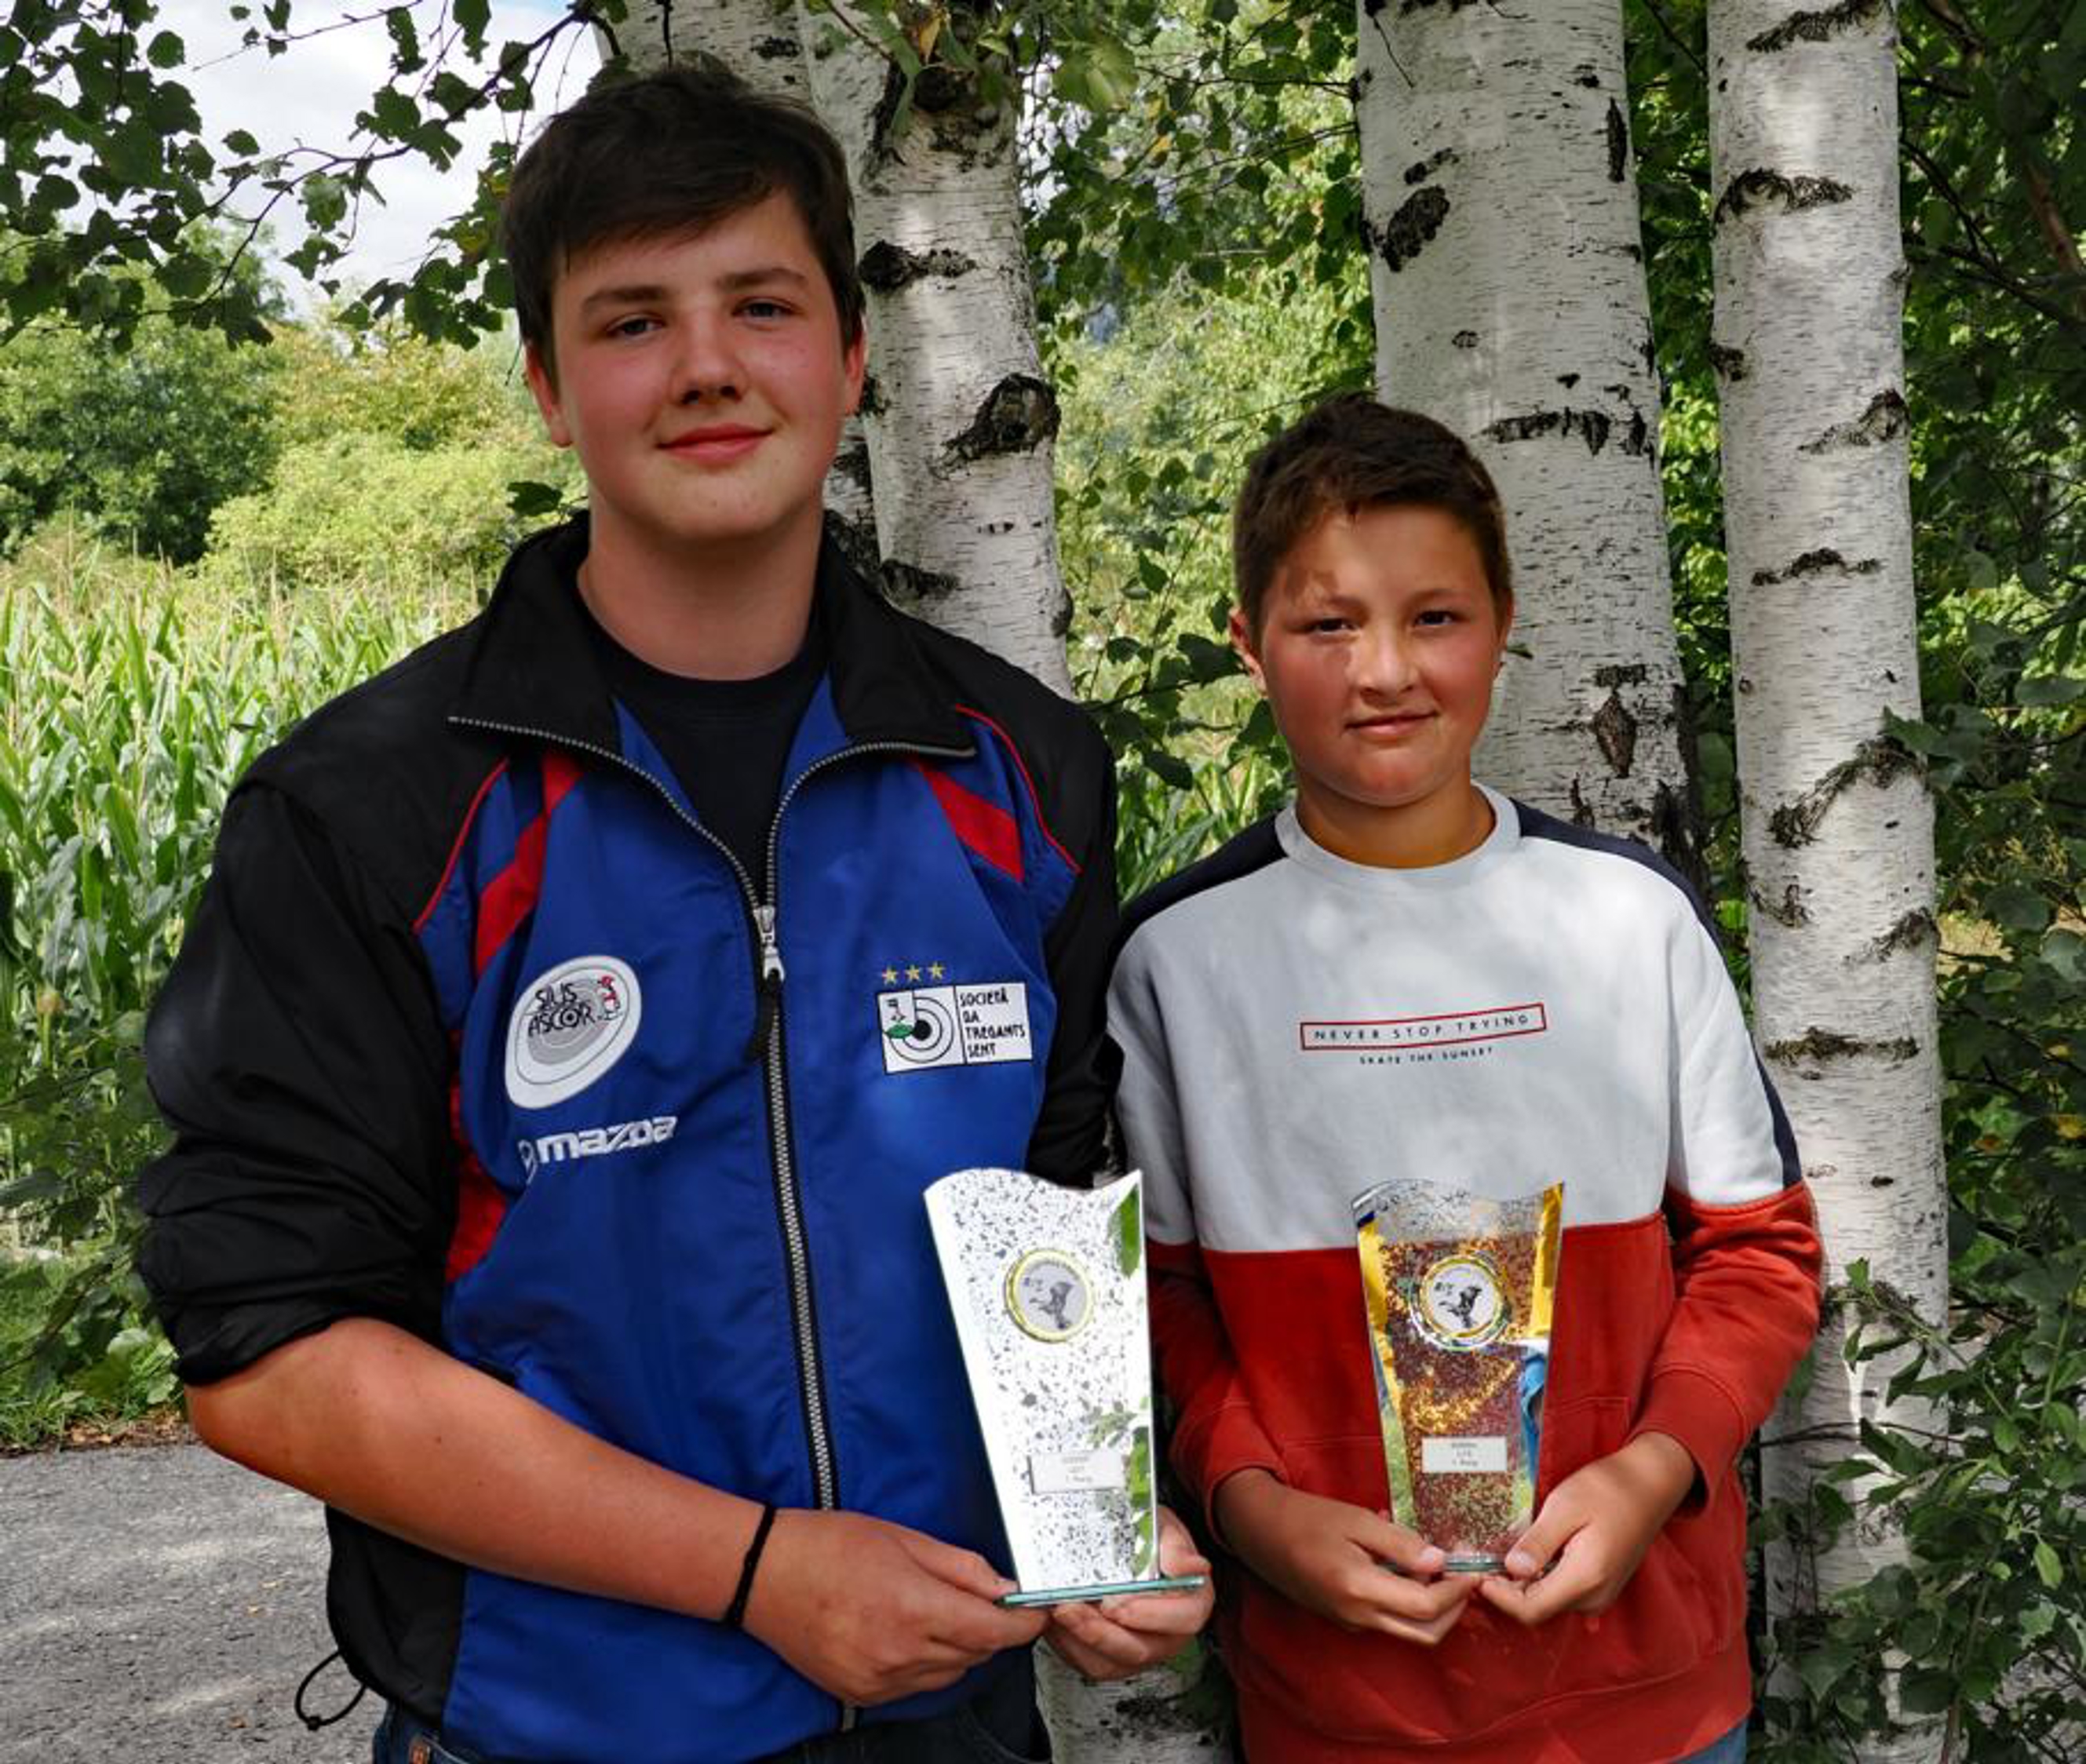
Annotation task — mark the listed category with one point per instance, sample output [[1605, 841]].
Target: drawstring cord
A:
[[311, 1722]]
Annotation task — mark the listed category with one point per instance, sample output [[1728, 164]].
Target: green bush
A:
[[358, 507], [389, 382], [142, 443]]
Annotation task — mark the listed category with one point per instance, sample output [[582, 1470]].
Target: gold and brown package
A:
[[1459, 1288]]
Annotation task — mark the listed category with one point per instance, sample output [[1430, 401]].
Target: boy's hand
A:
[[1594, 1531], [1115, 1637], [869, 1611], [1339, 1560]]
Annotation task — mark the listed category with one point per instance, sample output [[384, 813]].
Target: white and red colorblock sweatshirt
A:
[[1296, 1028]]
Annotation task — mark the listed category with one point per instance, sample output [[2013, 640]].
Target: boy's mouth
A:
[[717, 445], [1391, 724]]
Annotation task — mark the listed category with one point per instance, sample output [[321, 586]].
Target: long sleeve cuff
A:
[[1694, 1408], [1227, 1441]]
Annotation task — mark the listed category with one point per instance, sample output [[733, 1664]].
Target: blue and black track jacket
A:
[[478, 1031]]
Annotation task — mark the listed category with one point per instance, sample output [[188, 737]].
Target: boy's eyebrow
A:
[[749, 278], [650, 293]]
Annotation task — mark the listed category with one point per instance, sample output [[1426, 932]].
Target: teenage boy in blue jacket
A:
[[545, 1194]]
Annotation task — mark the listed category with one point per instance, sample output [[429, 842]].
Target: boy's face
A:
[[1379, 639], [703, 380]]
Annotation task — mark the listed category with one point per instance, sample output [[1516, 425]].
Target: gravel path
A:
[[159, 1605]]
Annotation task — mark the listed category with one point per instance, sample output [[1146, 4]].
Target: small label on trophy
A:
[[1447, 1454], [1077, 1472]]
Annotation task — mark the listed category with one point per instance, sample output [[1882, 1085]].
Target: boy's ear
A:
[[1241, 636], [854, 361], [544, 385]]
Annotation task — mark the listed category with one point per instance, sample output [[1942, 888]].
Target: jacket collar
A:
[[532, 669]]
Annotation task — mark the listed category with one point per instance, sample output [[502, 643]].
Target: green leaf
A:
[[326, 202], [1925, 1691], [1129, 1224], [2047, 1567], [1173, 770], [396, 115], [529, 500], [2064, 952], [2048, 689], [166, 50], [2016, 908]]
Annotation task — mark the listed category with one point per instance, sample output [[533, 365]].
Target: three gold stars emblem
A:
[[934, 971]]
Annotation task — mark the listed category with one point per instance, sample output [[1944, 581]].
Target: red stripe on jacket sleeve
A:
[[481, 1208], [1021, 766], [1745, 1308], [985, 828], [511, 896], [455, 850]]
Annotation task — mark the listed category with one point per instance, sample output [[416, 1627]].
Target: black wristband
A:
[[735, 1614]]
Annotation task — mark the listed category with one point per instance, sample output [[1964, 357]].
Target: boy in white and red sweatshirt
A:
[[1408, 977]]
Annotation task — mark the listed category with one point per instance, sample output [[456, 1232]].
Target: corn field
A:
[[131, 704], [131, 698]]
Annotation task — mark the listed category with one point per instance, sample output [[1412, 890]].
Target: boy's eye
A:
[[1438, 615], [765, 309], [635, 324], [1332, 625]]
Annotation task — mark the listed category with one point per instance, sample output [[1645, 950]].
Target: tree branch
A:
[[2042, 200]]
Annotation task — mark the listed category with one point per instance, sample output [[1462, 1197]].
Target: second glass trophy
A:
[[1460, 1289]]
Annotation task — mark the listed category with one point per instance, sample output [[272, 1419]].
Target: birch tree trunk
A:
[[1505, 257], [1838, 830], [760, 41], [960, 424], [756, 39], [959, 418]]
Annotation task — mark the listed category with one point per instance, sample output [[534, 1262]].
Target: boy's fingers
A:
[[963, 1569], [1096, 1635], [1538, 1601], [965, 1617], [1178, 1553], [1405, 1551], [1428, 1620], [1536, 1548], [1393, 1599], [1157, 1613]]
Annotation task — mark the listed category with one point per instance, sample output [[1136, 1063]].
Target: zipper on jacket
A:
[[767, 1043], [788, 1194]]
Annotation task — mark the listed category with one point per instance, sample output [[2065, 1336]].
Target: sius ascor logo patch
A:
[[571, 1024]]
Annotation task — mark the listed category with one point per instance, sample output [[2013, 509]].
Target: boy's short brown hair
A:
[[667, 153], [1352, 453]]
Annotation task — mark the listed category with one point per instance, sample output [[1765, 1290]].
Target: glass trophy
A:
[[1047, 1287], [1459, 1288]]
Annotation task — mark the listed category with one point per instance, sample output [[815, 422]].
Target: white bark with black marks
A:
[[1838, 829], [1505, 256], [757, 39], [959, 419]]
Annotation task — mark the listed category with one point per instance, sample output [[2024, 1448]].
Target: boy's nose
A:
[[1384, 664], [706, 366]]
